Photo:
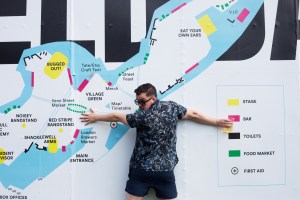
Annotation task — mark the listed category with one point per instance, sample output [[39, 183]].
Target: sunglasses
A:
[[141, 102]]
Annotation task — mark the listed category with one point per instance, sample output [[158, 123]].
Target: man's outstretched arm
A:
[[110, 117], [204, 119]]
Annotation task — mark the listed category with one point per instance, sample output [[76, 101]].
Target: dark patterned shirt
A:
[[155, 146]]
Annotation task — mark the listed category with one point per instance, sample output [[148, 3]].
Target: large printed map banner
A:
[[232, 59]]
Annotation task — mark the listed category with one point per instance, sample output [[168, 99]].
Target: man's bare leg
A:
[[131, 197]]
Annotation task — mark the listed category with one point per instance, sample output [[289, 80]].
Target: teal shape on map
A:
[[37, 163], [115, 135]]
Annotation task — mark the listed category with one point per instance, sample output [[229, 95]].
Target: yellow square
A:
[[233, 102], [207, 25]]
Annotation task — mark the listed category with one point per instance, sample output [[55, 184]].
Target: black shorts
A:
[[140, 181]]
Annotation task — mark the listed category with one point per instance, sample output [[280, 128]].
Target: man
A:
[[154, 156]]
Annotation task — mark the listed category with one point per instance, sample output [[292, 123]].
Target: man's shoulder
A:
[[168, 105], [170, 102], [166, 102]]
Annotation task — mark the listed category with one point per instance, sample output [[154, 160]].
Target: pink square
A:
[[244, 14]]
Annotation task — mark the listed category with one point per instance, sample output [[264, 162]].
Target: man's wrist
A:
[[217, 123]]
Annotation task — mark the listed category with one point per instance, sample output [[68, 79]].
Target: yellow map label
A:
[[2, 156], [56, 65], [207, 25], [233, 102], [53, 145]]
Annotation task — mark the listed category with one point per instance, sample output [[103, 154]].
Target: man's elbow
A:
[[191, 115], [120, 117], [115, 117], [195, 116]]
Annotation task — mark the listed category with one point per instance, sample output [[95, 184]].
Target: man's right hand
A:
[[88, 118]]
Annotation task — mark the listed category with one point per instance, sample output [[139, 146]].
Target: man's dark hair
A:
[[147, 88]]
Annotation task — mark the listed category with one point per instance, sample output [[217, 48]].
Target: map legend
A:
[[232, 136], [252, 151]]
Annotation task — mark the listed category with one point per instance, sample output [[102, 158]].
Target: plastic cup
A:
[[229, 129]]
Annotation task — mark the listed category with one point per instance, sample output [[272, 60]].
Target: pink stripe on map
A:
[[76, 133], [234, 118], [70, 77], [244, 14], [32, 79], [178, 7], [63, 148], [191, 68], [83, 84]]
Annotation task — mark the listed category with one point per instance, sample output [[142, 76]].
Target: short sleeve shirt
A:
[[155, 146]]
